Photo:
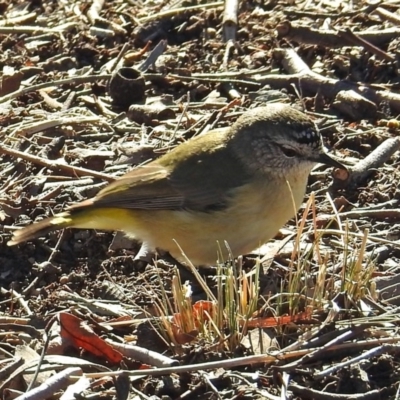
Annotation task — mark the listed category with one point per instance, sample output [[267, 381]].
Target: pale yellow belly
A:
[[255, 217]]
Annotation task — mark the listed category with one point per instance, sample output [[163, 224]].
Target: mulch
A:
[[91, 89]]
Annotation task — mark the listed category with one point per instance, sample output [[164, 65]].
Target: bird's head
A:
[[278, 139]]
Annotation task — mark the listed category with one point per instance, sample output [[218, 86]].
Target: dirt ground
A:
[[91, 89]]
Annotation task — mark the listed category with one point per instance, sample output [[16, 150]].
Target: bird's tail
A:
[[83, 215], [59, 221]]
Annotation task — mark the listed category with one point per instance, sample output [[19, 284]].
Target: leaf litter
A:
[[312, 314]]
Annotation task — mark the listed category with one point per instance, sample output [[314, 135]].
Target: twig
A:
[[223, 111], [211, 385], [200, 79], [372, 239], [68, 101], [228, 87], [143, 355], [4, 30], [21, 19], [31, 128], [53, 103], [15, 295], [230, 25], [55, 165], [330, 38], [230, 19], [314, 14], [101, 32], [230, 44], [94, 17], [9, 368], [52, 385], [183, 113], [375, 159], [319, 351], [69, 81], [392, 214], [359, 41], [124, 49], [94, 11], [387, 15], [311, 82], [258, 359], [249, 360], [176, 11], [307, 393], [57, 246], [47, 331], [214, 76], [377, 351], [230, 74]]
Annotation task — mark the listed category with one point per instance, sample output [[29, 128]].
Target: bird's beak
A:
[[323, 158]]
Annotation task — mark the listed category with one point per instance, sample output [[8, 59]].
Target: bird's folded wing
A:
[[153, 187], [146, 187]]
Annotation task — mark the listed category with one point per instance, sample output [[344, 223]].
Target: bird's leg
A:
[[145, 254]]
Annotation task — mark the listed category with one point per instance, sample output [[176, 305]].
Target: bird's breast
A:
[[253, 215], [262, 208]]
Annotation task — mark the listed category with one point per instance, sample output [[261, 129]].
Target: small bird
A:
[[238, 184]]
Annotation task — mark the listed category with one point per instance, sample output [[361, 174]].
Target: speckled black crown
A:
[[310, 136]]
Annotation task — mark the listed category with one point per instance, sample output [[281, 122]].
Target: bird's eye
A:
[[288, 152]]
